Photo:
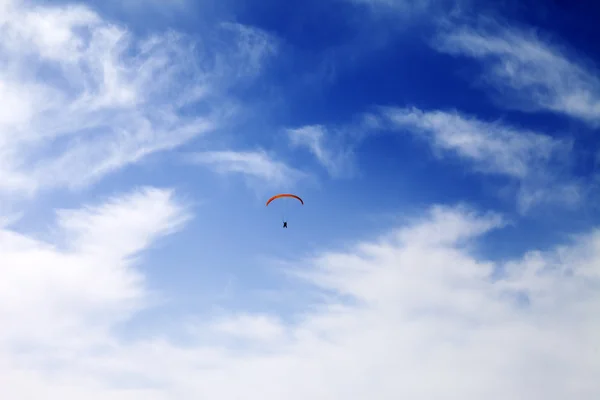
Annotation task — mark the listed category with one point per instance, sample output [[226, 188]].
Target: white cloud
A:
[[327, 149], [61, 300], [85, 97], [530, 73], [491, 147], [83, 281], [169, 6], [402, 7], [426, 310], [253, 164], [249, 49], [255, 327], [535, 160], [400, 4]]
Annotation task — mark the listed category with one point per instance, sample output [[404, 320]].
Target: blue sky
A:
[[446, 152]]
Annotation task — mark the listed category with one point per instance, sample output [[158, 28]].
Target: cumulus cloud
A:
[[428, 318], [253, 164], [529, 72], [537, 161], [84, 97]]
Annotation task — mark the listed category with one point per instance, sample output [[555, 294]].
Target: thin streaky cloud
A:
[[538, 162], [320, 141], [255, 164], [530, 73], [491, 147]]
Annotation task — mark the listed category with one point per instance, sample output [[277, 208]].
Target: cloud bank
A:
[[428, 318]]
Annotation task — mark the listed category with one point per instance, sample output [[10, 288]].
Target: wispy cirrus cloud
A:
[[530, 73], [327, 145], [88, 97], [253, 164], [404, 7], [540, 163]]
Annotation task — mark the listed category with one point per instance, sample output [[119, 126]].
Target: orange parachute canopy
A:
[[277, 196]]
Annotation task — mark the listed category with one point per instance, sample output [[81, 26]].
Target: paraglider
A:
[[278, 196], [285, 195]]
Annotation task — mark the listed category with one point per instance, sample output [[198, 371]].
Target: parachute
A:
[[286, 198], [278, 196]]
